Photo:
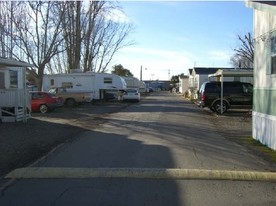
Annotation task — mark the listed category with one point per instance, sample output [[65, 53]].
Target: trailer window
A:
[[13, 79], [67, 84], [2, 80], [107, 80], [273, 54], [52, 82]]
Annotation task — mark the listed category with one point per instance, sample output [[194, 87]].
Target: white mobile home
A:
[[197, 76], [14, 96], [264, 109], [95, 83], [183, 84]]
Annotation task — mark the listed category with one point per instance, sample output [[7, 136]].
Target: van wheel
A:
[[43, 108], [70, 102], [217, 107], [212, 109]]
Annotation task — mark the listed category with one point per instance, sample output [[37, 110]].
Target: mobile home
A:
[[15, 101], [264, 110]]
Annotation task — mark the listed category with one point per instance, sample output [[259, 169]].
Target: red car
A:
[[45, 101]]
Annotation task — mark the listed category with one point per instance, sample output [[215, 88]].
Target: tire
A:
[[70, 102], [43, 109], [217, 107]]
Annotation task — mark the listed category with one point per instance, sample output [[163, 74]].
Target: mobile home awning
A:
[[232, 73]]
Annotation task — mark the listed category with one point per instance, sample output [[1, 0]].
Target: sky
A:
[[172, 36]]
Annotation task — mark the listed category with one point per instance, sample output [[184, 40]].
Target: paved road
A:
[[163, 131]]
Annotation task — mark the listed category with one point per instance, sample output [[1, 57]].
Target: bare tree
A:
[[7, 9], [55, 36], [244, 54], [38, 34], [71, 25], [240, 62], [3, 28], [92, 35], [112, 39], [109, 36]]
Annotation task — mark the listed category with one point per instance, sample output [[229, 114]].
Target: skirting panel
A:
[[264, 129]]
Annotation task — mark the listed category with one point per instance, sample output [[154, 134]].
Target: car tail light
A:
[[203, 96]]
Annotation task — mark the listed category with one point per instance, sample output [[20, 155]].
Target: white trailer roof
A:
[[13, 62]]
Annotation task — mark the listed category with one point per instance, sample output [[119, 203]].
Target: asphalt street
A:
[[162, 131]]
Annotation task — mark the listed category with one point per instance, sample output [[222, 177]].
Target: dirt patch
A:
[[23, 143], [236, 126]]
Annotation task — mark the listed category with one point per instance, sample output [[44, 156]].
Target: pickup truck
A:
[[71, 99]]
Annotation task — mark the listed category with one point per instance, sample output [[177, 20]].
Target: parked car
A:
[[44, 101], [234, 93], [131, 94]]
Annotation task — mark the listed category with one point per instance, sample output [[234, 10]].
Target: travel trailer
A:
[[133, 82], [97, 84]]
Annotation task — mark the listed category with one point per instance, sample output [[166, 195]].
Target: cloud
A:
[[155, 62], [220, 55]]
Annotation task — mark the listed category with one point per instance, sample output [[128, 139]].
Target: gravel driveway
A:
[[23, 143]]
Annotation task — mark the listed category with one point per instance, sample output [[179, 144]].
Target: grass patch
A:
[[260, 147]]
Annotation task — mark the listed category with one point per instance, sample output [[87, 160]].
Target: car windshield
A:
[[131, 91], [51, 94], [52, 90]]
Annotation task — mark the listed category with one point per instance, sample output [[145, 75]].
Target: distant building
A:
[[183, 84], [158, 85]]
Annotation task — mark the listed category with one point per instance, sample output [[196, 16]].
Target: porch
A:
[[12, 105]]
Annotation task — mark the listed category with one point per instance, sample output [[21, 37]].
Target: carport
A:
[[221, 73]]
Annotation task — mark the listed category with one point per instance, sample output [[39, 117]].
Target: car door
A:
[[233, 92], [237, 94], [247, 94]]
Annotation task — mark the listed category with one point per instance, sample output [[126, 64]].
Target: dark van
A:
[[234, 93]]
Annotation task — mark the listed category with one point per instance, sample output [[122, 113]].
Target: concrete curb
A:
[[141, 173]]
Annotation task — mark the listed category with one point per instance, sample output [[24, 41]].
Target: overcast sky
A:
[[173, 36]]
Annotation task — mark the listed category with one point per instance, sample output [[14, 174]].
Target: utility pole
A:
[[169, 74], [141, 73]]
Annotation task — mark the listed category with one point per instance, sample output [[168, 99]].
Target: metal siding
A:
[[264, 101], [12, 98], [264, 129]]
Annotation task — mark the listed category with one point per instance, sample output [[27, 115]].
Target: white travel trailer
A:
[[95, 83], [133, 82]]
